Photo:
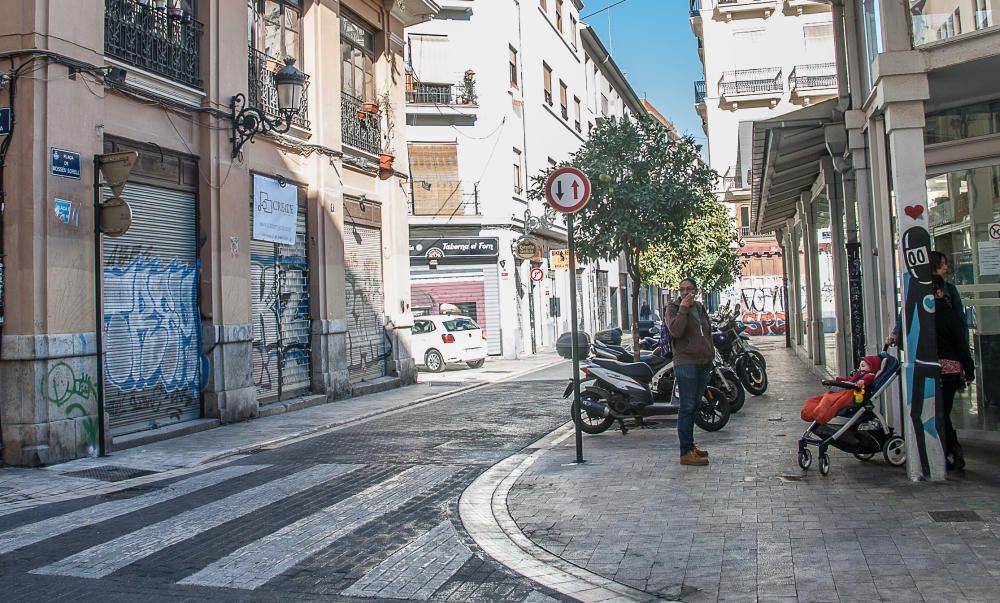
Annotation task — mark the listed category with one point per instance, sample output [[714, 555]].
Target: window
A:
[[274, 27], [559, 15], [958, 20], [982, 15], [357, 52], [544, 5], [573, 29], [577, 112], [745, 216], [461, 324], [817, 40], [518, 187], [423, 326], [513, 67], [547, 81], [604, 105], [563, 99]]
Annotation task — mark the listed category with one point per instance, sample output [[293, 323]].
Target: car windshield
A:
[[461, 324]]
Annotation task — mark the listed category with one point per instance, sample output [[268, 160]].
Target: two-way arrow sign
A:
[[563, 180]]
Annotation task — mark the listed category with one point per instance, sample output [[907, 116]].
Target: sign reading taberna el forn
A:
[[275, 208], [434, 249]]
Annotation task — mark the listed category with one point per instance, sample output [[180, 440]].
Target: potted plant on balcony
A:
[[386, 156], [469, 87], [175, 11], [160, 4]]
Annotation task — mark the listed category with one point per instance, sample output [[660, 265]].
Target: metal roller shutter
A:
[[154, 371], [491, 280], [366, 341], [279, 296]]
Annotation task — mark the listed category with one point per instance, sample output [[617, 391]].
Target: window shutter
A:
[[438, 165], [430, 59]]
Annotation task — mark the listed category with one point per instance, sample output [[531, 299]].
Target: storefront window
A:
[[872, 29], [959, 123], [943, 19], [827, 276], [800, 285], [965, 224]]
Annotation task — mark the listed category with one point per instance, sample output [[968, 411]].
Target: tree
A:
[[708, 254], [645, 187]]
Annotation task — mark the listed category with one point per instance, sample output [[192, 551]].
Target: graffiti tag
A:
[[63, 388], [764, 310]]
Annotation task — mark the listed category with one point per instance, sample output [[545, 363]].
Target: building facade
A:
[[761, 59], [904, 160], [497, 93], [256, 273]]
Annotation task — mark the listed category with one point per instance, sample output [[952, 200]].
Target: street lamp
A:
[[250, 121]]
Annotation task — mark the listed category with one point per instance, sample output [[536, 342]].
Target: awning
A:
[[760, 250], [786, 161]]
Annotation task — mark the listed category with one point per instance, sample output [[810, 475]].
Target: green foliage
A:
[[709, 253]]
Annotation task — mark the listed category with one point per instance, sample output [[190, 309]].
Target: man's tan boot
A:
[[692, 458], [700, 452]]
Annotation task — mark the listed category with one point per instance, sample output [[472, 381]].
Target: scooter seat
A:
[[639, 371], [653, 360]]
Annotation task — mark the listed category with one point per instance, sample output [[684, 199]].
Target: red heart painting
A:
[[914, 211]]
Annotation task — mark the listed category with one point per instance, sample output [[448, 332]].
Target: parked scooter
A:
[[734, 348], [615, 391]]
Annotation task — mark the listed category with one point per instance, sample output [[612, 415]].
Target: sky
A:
[[651, 41]]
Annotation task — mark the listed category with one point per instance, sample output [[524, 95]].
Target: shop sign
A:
[[526, 248], [455, 248], [559, 259], [275, 209], [989, 257], [65, 164], [4, 121]]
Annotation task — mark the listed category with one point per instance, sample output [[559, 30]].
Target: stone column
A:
[[813, 299]]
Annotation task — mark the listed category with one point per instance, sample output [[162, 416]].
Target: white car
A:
[[442, 339]]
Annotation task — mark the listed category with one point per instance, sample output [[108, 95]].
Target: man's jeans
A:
[[692, 379]]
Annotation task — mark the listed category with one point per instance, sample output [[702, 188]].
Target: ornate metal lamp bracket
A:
[[533, 223], [251, 121]]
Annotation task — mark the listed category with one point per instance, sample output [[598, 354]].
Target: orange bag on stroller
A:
[[824, 407]]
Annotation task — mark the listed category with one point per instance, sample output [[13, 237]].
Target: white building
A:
[[762, 58], [499, 92]]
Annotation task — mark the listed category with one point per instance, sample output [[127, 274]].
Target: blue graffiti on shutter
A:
[[159, 328]]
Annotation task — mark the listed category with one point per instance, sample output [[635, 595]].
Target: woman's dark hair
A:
[[937, 283], [938, 258], [689, 280]]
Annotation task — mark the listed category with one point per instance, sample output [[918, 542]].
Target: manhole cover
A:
[[111, 473], [790, 478], [954, 516]]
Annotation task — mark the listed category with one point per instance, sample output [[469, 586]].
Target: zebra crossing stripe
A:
[[29, 534], [418, 570], [103, 559], [259, 562]]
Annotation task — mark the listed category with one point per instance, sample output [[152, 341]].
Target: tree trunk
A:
[[632, 268]]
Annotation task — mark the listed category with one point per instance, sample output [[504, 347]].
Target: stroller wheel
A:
[[805, 458], [894, 450], [864, 456], [824, 464]]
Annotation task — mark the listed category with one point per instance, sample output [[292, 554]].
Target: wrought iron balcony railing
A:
[[263, 94], [150, 39], [816, 75], [695, 8], [467, 206], [751, 81], [421, 93], [363, 133], [699, 92]]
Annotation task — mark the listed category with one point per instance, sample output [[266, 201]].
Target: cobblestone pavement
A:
[[366, 512], [752, 526]]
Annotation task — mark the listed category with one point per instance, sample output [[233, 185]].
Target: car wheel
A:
[[434, 361], [476, 363]]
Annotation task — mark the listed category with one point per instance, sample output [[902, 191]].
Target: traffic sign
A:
[[537, 274], [568, 190], [995, 231]]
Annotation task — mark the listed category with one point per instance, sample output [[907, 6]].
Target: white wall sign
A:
[[274, 210], [989, 258]]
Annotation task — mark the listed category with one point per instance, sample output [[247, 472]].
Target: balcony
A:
[[732, 185], [799, 7], [746, 232], [448, 205], [809, 81], [696, 26], [699, 99], [263, 94], [362, 133], [728, 8], [421, 93], [151, 40], [748, 85]]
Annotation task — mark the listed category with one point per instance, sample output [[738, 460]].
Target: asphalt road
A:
[[366, 512]]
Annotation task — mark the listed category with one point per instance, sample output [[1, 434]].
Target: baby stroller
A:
[[860, 429]]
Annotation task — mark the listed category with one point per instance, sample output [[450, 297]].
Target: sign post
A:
[[567, 191]]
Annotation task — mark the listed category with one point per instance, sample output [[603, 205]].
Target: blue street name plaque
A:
[[4, 121], [65, 164]]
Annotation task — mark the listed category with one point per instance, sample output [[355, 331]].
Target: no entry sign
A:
[[537, 274], [568, 190]]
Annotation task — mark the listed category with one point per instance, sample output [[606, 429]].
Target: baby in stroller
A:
[[823, 407]]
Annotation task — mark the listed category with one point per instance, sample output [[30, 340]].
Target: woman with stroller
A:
[[956, 361]]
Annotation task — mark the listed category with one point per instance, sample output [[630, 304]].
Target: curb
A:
[[486, 517]]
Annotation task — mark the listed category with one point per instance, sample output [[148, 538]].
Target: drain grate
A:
[[790, 478], [496, 372], [954, 516], [111, 473]]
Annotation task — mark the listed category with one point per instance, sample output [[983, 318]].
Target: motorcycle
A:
[[734, 349], [613, 391]]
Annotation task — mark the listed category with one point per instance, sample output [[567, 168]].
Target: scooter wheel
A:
[[805, 459], [713, 412], [592, 424], [824, 464]]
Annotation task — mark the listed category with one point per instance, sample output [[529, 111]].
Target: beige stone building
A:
[[256, 274]]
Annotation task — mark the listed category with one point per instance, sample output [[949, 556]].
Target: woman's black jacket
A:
[[952, 341]]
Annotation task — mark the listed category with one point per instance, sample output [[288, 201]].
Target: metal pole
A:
[[98, 319], [574, 331]]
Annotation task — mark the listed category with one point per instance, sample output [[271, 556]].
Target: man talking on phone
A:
[[689, 327]]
